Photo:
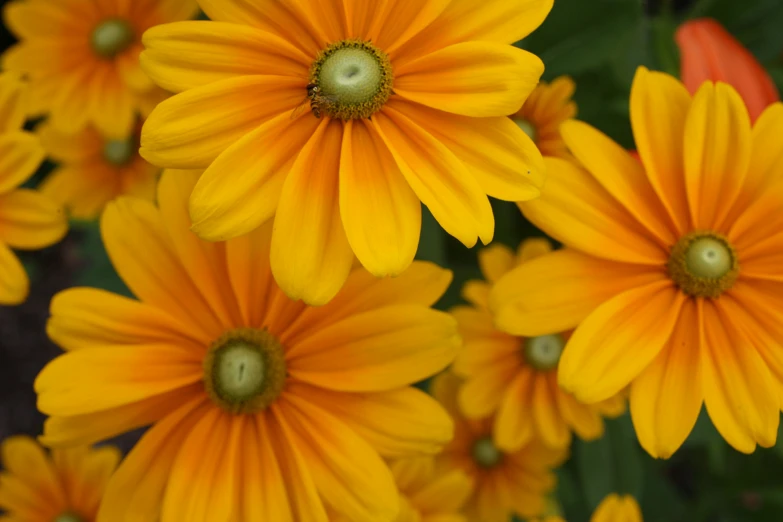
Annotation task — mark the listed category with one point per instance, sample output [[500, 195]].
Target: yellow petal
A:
[[311, 257], [28, 219], [191, 129], [13, 96], [616, 508], [619, 340], [380, 212], [550, 425], [184, 55], [717, 153], [112, 103], [85, 472], [659, 105], [555, 292], [481, 394], [70, 148], [397, 22], [503, 159], [438, 177], [25, 458], [495, 261], [21, 154], [14, 284], [479, 79], [513, 426], [667, 396], [446, 493]]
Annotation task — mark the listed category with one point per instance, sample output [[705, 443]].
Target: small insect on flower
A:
[[316, 99]]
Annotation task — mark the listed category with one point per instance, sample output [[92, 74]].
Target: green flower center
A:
[[528, 128], [350, 79], [119, 152], [68, 517], [703, 264], [543, 352], [244, 370], [111, 37], [486, 454]]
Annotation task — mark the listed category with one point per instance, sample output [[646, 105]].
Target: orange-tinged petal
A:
[[55, 20], [667, 396], [70, 148], [377, 350], [112, 105], [621, 175], [136, 490], [85, 472], [83, 189], [446, 493], [584, 419], [481, 394], [659, 106], [438, 177], [258, 165], [311, 256], [513, 426], [13, 98], [380, 212], [26, 459], [479, 79], [619, 340], [710, 52], [28, 219], [155, 274], [396, 423], [555, 292], [347, 471], [94, 318], [495, 261], [191, 129], [184, 55], [739, 392], [397, 22], [577, 211], [249, 280], [21, 154], [14, 284], [550, 425], [503, 159], [717, 153]]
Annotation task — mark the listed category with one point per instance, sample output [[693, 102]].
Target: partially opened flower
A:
[[672, 271], [340, 118], [94, 170], [28, 219], [505, 483], [548, 106], [515, 378], [262, 408], [82, 58], [710, 52], [65, 487], [617, 508]]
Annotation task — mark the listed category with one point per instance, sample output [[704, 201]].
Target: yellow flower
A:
[[28, 219], [672, 271], [67, 487], [94, 170], [82, 58], [262, 408], [548, 106], [616, 508], [516, 378], [504, 482], [340, 118]]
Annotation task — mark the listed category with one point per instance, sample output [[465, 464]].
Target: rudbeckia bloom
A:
[[672, 268], [340, 118], [64, 487], [262, 408], [82, 58], [710, 52], [505, 483], [548, 106], [94, 170], [28, 219], [513, 377]]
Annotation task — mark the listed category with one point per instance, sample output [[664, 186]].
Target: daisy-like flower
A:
[[515, 378], [672, 268], [339, 118], [548, 106], [94, 170], [262, 408], [65, 487], [505, 483], [82, 58], [710, 52], [28, 219]]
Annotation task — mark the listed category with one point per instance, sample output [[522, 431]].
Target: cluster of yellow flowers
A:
[[280, 320]]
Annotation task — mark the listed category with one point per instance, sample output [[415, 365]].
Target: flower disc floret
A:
[[119, 152], [354, 78], [703, 264], [244, 371], [543, 352], [486, 454], [111, 37]]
